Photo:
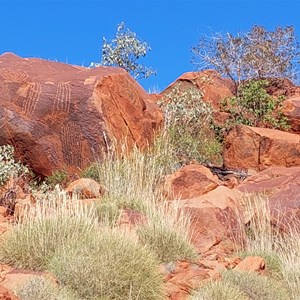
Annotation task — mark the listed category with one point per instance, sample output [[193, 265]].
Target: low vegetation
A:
[[187, 125], [253, 106], [8, 166], [43, 289]]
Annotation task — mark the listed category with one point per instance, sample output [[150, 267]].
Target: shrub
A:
[[253, 106], [57, 178], [8, 167], [242, 286], [218, 290], [32, 243], [43, 289], [187, 122], [168, 237], [255, 286], [124, 51], [255, 54], [109, 265]]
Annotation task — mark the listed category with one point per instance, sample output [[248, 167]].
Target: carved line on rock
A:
[[72, 144], [32, 98], [62, 98], [13, 75]]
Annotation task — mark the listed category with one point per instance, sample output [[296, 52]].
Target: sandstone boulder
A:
[[209, 82], [86, 188], [291, 109], [251, 264], [216, 219], [189, 182], [269, 181], [282, 188], [60, 116], [259, 148]]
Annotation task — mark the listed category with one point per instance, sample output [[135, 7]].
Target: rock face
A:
[[212, 85], [59, 116], [189, 182], [282, 185], [215, 220], [291, 109], [259, 148], [6, 294]]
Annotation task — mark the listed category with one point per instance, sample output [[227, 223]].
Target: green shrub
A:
[[43, 289], [187, 123], [253, 106], [58, 177], [110, 265], [34, 241], [8, 167], [124, 51]]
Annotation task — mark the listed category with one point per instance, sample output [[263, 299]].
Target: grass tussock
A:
[[46, 225], [43, 289], [110, 265], [236, 285], [168, 236]]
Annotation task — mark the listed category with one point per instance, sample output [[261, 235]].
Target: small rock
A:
[[251, 263], [86, 188]]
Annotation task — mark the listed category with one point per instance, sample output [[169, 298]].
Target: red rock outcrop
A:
[[189, 182], [209, 82], [282, 188], [215, 220], [291, 109], [259, 148], [6, 294], [60, 116]]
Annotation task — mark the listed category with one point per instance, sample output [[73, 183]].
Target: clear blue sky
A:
[[72, 31]]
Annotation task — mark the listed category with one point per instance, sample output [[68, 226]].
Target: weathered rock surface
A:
[[189, 182], [282, 187], [259, 148], [6, 294], [291, 109], [251, 264], [59, 116], [215, 220], [86, 188], [185, 277], [209, 82]]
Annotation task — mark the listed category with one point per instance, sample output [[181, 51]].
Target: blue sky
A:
[[72, 31]]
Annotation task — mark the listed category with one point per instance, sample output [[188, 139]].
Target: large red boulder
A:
[[259, 148], [189, 182], [216, 219], [213, 87], [60, 116], [282, 186], [291, 109]]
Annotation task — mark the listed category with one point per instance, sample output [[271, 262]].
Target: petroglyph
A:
[[62, 98], [32, 98], [72, 144], [13, 75]]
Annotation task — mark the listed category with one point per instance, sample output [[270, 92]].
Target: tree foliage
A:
[[124, 51], [255, 54]]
